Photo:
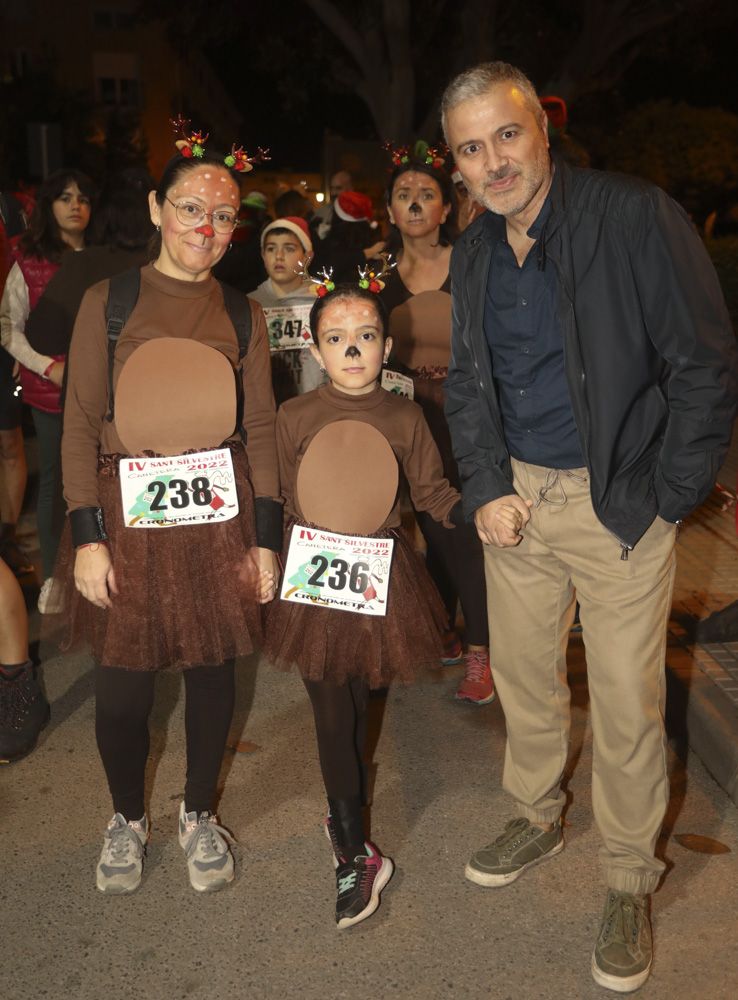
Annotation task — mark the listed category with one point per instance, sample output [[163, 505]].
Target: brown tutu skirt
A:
[[331, 645], [182, 599]]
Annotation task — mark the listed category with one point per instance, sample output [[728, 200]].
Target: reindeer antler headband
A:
[[191, 144], [370, 278], [432, 156]]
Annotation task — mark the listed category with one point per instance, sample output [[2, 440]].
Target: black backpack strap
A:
[[239, 313], [122, 299]]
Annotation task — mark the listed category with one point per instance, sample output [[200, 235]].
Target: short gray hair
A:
[[476, 82]]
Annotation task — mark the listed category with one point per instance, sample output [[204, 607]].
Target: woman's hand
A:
[[94, 576], [55, 373]]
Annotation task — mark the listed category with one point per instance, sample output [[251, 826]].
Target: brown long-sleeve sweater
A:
[[400, 421], [166, 307]]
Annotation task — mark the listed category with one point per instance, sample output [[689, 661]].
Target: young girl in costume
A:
[[351, 616], [172, 485]]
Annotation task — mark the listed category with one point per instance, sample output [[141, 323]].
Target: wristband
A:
[[268, 517], [88, 525], [456, 515], [90, 545]]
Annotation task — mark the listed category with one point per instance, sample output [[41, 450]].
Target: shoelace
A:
[[208, 835], [516, 831], [347, 882], [362, 870], [623, 921], [122, 842], [476, 666]]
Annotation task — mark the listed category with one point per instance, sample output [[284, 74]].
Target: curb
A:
[[698, 714]]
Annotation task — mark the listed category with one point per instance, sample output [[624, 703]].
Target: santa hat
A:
[[353, 206], [295, 225]]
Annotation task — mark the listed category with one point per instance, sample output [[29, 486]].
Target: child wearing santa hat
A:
[[286, 300]]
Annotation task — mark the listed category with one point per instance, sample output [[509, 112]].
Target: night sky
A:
[[693, 59]]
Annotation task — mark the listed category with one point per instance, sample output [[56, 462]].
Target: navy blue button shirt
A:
[[523, 331]]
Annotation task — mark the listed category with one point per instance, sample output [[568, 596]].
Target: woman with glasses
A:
[[170, 477]]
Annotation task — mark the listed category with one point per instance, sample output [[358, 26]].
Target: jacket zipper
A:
[[625, 548]]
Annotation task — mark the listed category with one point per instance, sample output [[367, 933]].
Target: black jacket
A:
[[651, 358]]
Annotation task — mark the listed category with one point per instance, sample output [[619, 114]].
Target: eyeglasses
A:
[[190, 214]]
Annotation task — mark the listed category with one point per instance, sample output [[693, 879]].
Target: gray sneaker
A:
[[623, 954], [209, 860], [121, 859], [520, 846]]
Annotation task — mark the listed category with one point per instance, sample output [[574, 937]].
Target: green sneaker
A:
[[519, 847], [622, 957]]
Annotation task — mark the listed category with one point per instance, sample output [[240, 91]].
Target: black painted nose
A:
[[353, 352], [415, 208]]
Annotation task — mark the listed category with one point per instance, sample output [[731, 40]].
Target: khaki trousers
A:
[[567, 555]]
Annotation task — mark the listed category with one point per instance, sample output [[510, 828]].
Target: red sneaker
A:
[[453, 651], [477, 685]]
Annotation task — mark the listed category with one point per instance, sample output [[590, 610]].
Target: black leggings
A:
[[340, 726], [455, 561], [123, 704]]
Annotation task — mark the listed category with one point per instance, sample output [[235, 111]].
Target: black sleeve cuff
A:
[[456, 515], [88, 525], [268, 523]]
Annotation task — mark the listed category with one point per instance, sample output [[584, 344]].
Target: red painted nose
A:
[[206, 230]]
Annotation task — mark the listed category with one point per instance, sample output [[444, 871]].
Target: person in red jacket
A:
[[12, 452], [58, 223]]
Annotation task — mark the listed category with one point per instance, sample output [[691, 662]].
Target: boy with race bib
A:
[[286, 298]]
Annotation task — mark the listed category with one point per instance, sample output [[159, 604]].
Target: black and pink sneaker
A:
[[358, 885]]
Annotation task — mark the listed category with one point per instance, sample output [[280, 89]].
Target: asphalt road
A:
[[272, 934]]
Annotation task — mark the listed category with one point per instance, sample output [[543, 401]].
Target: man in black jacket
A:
[[590, 398]]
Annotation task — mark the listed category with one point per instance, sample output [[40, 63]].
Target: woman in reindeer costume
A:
[[170, 477]]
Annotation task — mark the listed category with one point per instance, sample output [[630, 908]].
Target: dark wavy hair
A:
[[344, 235], [122, 219], [449, 229], [42, 238], [348, 291], [177, 168]]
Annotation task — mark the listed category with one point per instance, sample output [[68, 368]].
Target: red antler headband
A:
[[187, 142], [322, 284], [369, 278], [239, 161], [191, 144], [432, 156], [398, 154]]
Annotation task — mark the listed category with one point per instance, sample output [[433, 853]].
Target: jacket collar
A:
[[490, 227]]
